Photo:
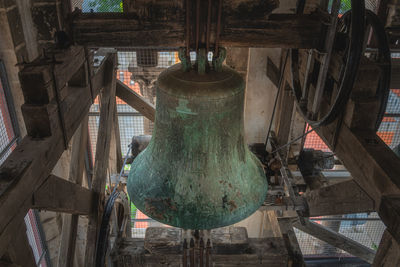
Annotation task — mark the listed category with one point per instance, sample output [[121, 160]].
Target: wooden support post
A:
[[136, 101], [101, 158], [70, 222], [388, 252], [118, 141], [115, 162], [337, 240]]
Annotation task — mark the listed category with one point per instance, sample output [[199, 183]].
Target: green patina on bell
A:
[[197, 172]]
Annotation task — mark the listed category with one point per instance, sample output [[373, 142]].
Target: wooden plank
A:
[[388, 252], [135, 101], [102, 157], [347, 197], [70, 222], [115, 162], [118, 142], [130, 30], [60, 195], [337, 240]]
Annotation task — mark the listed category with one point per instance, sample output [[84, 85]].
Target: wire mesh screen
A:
[[138, 69], [366, 229], [345, 5], [8, 136], [36, 239], [312, 140], [389, 131], [97, 5]]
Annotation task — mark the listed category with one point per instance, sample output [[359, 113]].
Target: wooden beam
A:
[[118, 142], [29, 165], [36, 78], [19, 250], [388, 252], [372, 164], [70, 222], [347, 197], [131, 30], [60, 195], [337, 240], [136, 101], [102, 157], [115, 160]]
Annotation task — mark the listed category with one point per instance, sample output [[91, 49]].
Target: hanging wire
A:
[[294, 140], [276, 100]]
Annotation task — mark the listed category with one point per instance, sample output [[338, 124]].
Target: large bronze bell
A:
[[197, 172]]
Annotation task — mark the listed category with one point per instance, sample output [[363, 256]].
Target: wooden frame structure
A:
[[58, 94]]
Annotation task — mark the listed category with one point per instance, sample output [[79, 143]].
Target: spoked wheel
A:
[[382, 57], [313, 85]]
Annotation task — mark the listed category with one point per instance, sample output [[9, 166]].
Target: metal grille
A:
[[389, 131], [313, 141], [94, 117], [97, 5], [346, 5], [8, 125], [366, 229], [36, 239], [139, 69]]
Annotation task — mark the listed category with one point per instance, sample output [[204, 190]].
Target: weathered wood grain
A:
[[129, 30], [102, 157], [60, 195]]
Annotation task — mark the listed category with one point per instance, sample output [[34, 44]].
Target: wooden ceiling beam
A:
[[131, 30]]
